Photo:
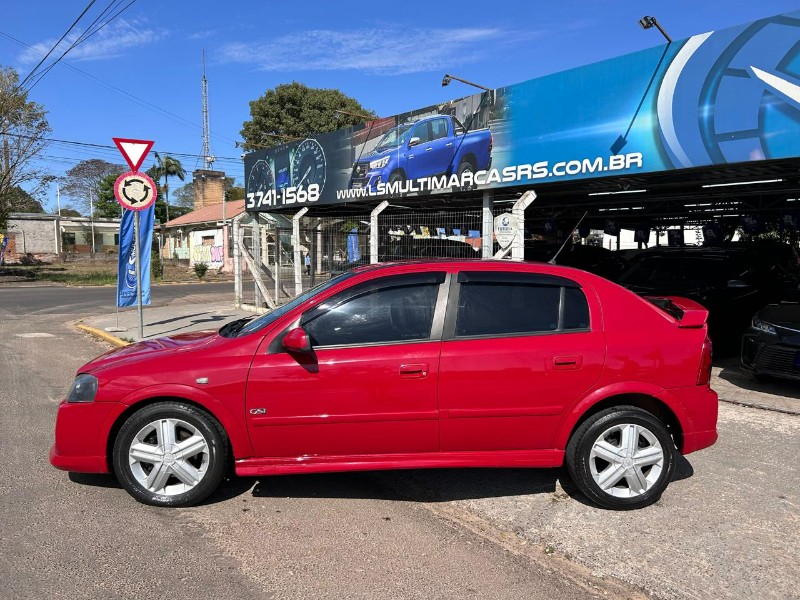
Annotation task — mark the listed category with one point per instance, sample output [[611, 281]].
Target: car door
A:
[[369, 383], [518, 350]]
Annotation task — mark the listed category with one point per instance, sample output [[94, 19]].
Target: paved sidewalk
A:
[[195, 313], [191, 313]]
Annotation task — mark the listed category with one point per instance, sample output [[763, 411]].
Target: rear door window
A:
[[496, 304]]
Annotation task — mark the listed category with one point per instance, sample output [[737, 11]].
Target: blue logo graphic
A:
[[130, 270], [733, 96]]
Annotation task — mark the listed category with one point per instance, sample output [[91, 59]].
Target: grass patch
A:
[[91, 278]]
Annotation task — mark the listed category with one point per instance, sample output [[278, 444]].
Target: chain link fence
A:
[[273, 267]]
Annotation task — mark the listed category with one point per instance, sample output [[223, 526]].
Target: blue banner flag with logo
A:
[[353, 252], [126, 268]]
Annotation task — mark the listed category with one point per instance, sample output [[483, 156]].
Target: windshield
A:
[[274, 315], [394, 137]]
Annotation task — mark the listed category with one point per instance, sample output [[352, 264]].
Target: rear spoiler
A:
[[689, 313]]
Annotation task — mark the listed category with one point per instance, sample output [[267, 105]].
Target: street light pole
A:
[[648, 22], [448, 78]]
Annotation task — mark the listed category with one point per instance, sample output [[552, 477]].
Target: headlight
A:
[[379, 164], [763, 326], [83, 388]]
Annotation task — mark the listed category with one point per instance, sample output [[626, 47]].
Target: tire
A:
[[186, 475], [396, 177], [464, 167], [607, 473]]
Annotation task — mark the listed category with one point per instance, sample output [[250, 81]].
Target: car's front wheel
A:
[[170, 454], [622, 458]]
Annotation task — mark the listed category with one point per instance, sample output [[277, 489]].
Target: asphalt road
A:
[[35, 299], [331, 536]]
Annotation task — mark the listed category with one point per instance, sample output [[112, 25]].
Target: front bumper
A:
[[762, 355], [81, 437]]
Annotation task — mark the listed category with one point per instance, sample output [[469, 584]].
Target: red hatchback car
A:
[[408, 365]]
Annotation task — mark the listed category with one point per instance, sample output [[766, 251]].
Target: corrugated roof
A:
[[209, 214]]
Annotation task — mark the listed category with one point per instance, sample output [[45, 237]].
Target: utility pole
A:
[[91, 216]]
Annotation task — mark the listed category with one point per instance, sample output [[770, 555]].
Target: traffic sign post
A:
[[135, 191]]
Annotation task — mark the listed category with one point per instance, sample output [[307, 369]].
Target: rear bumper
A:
[[699, 420], [697, 440], [81, 439]]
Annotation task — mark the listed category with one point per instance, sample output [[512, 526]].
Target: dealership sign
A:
[[505, 229], [718, 98]]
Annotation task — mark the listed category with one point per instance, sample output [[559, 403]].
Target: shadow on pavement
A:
[[424, 485], [777, 387], [102, 480]]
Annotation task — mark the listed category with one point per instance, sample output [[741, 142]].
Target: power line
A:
[[84, 36], [107, 147], [142, 102], [71, 27]]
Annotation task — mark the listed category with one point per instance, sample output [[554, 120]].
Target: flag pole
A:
[[137, 249]]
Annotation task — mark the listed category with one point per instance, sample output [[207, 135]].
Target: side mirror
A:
[[297, 340], [414, 141]]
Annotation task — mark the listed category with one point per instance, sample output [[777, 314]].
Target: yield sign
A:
[[134, 151]]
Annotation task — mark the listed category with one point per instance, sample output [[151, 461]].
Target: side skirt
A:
[[251, 467]]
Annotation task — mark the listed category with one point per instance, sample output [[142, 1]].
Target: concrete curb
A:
[[103, 335]]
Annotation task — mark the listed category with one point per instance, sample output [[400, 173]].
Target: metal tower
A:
[[208, 158]]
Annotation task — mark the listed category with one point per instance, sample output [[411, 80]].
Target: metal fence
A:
[[279, 256]]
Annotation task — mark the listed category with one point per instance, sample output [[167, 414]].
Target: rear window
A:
[[513, 308]]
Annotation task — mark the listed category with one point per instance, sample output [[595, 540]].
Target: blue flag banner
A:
[[126, 268], [353, 253]]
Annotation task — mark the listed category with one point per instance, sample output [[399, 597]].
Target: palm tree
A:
[[166, 167]]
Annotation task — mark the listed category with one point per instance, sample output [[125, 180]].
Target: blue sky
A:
[[139, 77]]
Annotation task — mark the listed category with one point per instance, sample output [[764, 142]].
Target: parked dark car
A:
[[732, 283], [771, 347], [595, 259], [412, 248]]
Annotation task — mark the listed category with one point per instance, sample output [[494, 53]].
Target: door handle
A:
[[410, 156], [428, 149], [414, 371], [567, 362], [449, 144]]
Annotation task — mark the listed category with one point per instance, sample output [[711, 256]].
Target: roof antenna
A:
[[552, 261]]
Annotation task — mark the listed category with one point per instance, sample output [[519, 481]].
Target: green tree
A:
[[21, 201], [294, 110], [184, 195], [106, 205], [83, 181], [165, 167], [23, 133]]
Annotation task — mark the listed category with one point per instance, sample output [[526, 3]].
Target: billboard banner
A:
[[126, 267], [723, 97]]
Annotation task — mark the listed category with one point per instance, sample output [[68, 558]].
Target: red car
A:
[[408, 365]]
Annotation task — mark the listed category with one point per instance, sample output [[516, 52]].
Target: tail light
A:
[[704, 373]]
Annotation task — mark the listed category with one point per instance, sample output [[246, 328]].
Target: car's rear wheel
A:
[[622, 458], [170, 454]]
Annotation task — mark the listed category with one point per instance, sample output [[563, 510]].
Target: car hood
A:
[[783, 315], [150, 349], [376, 155]]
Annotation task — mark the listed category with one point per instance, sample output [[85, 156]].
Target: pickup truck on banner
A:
[[430, 147]]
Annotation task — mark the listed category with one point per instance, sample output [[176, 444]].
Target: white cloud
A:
[[201, 35], [109, 42], [384, 50]]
